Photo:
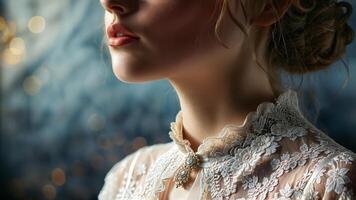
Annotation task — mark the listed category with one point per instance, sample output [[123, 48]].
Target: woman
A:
[[239, 133]]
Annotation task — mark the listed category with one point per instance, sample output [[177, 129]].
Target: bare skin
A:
[[216, 86]]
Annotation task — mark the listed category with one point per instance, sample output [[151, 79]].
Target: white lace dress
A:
[[275, 154]]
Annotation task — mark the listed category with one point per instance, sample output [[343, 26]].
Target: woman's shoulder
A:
[[142, 156], [131, 169], [333, 176], [333, 172], [320, 167]]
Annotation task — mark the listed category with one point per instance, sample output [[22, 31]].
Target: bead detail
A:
[[183, 173]]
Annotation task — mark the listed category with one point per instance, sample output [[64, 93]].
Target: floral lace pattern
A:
[[275, 154]]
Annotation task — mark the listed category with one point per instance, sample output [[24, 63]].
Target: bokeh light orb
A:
[[37, 24]]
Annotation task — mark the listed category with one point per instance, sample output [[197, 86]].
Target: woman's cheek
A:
[[173, 27]]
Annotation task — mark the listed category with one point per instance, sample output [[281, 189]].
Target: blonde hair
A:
[[310, 36]]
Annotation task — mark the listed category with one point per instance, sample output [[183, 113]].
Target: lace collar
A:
[[232, 135]]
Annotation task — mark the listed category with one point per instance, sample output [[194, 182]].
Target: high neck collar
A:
[[232, 135]]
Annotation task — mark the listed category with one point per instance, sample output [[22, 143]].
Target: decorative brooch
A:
[[183, 173]]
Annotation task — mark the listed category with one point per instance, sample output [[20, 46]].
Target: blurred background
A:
[[66, 120]]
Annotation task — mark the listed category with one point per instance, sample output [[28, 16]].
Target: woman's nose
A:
[[120, 7]]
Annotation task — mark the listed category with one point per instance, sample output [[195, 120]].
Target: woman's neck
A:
[[211, 97]]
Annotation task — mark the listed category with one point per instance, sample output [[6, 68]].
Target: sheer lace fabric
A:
[[275, 154]]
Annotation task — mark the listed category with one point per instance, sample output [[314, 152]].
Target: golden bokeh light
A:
[[49, 191], [9, 58], [17, 46], [32, 85], [15, 53], [37, 24], [8, 30], [58, 177]]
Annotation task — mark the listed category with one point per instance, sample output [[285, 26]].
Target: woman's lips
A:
[[118, 35], [121, 41]]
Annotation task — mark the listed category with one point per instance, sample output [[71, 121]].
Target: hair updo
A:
[[311, 35], [315, 34]]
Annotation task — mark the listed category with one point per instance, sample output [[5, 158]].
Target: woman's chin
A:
[[125, 75], [130, 74]]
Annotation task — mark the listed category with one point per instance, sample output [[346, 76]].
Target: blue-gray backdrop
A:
[[65, 118]]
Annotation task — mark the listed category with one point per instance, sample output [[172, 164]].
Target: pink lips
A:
[[118, 35], [121, 41]]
